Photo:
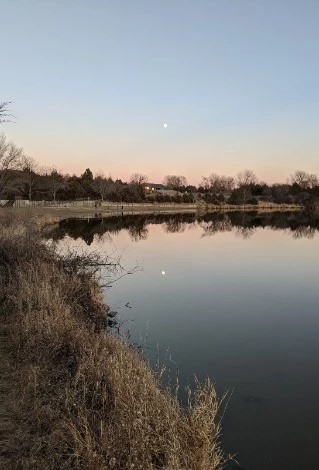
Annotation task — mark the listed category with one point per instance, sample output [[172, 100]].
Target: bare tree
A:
[[30, 175], [4, 112], [205, 183], [11, 158], [313, 181], [55, 182], [138, 179], [227, 183], [303, 179], [246, 178], [101, 185], [214, 183], [218, 184], [175, 181]]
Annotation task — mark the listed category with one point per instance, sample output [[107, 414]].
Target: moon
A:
[[163, 273], [165, 124]]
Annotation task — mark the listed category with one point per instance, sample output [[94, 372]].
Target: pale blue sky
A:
[[93, 81]]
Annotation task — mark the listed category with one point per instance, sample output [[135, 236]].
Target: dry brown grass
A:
[[86, 400]]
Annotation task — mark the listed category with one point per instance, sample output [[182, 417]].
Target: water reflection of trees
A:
[[138, 233], [244, 224], [174, 226], [245, 232], [221, 223], [304, 232]]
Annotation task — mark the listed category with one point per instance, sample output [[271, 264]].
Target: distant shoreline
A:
[[67, 210]]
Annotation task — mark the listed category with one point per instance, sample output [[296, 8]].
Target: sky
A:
[[93, 82]]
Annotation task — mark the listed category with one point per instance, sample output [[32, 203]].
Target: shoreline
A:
[[89, 400], [60, 212]]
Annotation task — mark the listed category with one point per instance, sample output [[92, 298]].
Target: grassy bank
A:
[[57, 213], [84, 399]]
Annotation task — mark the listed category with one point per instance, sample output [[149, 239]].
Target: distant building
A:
[[154, 187], [151, 189]]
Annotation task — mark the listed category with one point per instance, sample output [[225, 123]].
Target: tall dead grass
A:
[[86, 400]]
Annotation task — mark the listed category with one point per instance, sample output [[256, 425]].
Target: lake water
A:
[[230, 296]]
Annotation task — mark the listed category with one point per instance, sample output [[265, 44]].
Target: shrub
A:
[[253, 201]]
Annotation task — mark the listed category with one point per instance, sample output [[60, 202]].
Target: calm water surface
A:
[[234, 297]]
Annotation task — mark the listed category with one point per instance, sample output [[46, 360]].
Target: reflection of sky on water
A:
[[241, 309]]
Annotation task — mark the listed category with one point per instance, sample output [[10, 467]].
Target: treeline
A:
[[246, 188], [22, 177]]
